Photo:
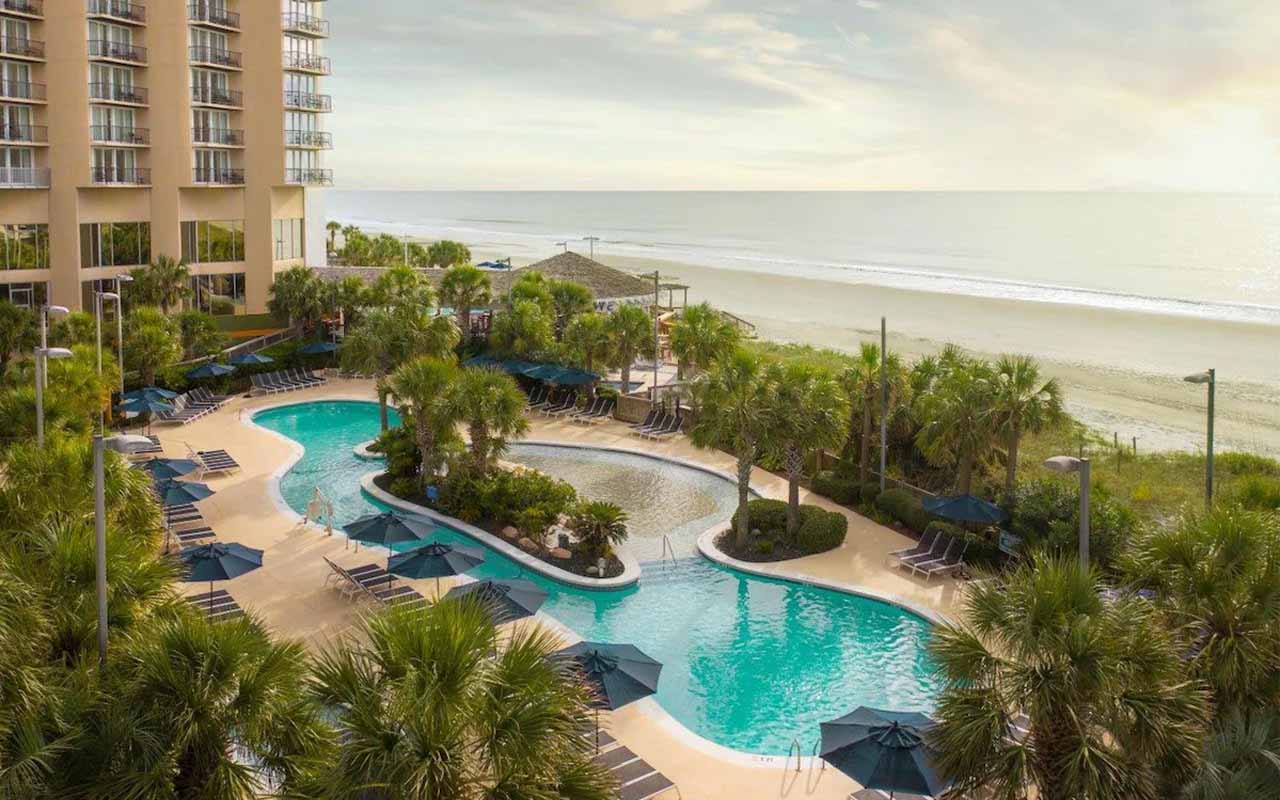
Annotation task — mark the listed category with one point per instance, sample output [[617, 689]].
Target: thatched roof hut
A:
[[605, 282]]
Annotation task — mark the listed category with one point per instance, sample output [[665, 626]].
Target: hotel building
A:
[[185, 128]]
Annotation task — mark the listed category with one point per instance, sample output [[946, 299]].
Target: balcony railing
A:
[[121, 176], [215, 96], [115, 93], [34, 134], [307, 101], [23, 48], [305, 24], [321, 140], [22, 90], [223, 136], [32, 8], [306, 62], [309, 177], [208, 14], [119, 9], [24, 177], [218, 57], [119, 135], [219, 176], [118, 51]]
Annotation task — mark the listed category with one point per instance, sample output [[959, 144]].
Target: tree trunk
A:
[[1055, 743], [1011, 468], [795, 469], [479, 447], [382, 408], [964, 480], [464, 322], [426, 446], [626, 377], [864, 452], [745, 461]]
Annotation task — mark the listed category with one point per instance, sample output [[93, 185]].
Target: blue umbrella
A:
[[965, 508], [250, 360], [617, 673], [219, 561], [884, 750], [506, 600], [175, 493], [389, 528], [436, 560], [145, 405], [210, 370], [162, 469], [152, 392], [318, 348], [571, 376]]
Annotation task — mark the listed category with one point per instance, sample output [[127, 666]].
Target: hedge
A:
[[766, 516], [905, 508], [820, 530], [869, 493], [830, 485]]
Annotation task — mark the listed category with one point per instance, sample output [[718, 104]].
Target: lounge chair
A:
[[941, 546], [588, 409], [213, 461], [661, 422], [217, 605], [570, 406], [539, 398], [637, 779], [203, 395], [649, 419], [278, 381], [604, 412], [666, 432], [954, 559], [567, 401], [186, 538], [304, 377], [148, 452], [182, 413], [919, 548]]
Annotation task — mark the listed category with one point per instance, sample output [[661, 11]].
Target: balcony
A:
[[115, 93], [206, 14], [307, 101], [217, 96], [205, 55], [222, 137], [309, 177], [119, 10], [29, 134], [115, 134], [312, 140], [126, 52], [22, 48], [26, 8], [306, 25], [306, 62], [121, 176], [218, 176], [22, 90], [24, 177]]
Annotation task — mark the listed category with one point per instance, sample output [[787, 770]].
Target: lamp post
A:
[[98, 297], [45, 313], [1080, 465], [123, 443], [43, 354], [404, 239], [120, 279], [564, 246], [591, 240], [884, 401], [1210, 378]]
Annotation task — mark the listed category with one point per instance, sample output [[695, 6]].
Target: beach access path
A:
[[289, 593]]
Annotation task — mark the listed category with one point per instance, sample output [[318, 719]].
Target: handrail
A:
[[668, 548], [798, 750]]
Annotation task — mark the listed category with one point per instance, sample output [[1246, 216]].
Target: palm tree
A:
[[332, 227], [958, 423], [463, 288], [568, 300], [808, 411], [151, 342], [349, 295], [862, 382], [386, 338], [1098, 684], [1023, 404], [492, 406], [599, 526], [1241, 760], [297, 295], [424, 387], [402, 287], [524, 330], [432, 704], [76, 394], [700, 337], [168, 281], [586, 340], [447, 253], [731, 403], [17, 332], [630, 335]]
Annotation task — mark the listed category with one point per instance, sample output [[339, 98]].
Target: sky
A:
[[1143, 95]]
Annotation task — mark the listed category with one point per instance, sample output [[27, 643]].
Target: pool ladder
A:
[[798, 751], [319, 506], [668, 550]]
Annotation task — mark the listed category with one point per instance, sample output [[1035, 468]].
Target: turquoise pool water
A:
[[749, 663]]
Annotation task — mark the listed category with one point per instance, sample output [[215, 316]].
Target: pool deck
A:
[[290, 593]]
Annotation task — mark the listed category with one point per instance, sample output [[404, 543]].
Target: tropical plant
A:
[[862, 380], [431, 704], [424, 389], [732, 403], [384, 339], [587, 341], [78, 327], [1022, 404], [166, 282], [464, 288], [808, 411], [524, 330], [402, 287], [332, 227], [446, 253], [73, 400], [200, 333], [1105, 707], [151, 342], [701, 336], [568, 300], [18, 332], [599, 527], [957, 418], [1241, 760], [297, 294], [532, 285], [492, 407], [630, 336], [349, 295]]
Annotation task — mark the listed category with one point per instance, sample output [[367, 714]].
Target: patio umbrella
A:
[[508, 600], [219, 561], [436, 560], [250, 360], [884, 750], [151, 392], [545, 372], [318, 348], [175, 493], [965, 508], [618, 673], [571, 376], [162, 469], [210, 370], [145, 405], [389, 528]]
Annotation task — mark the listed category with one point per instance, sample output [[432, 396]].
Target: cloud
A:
[[869, 5]]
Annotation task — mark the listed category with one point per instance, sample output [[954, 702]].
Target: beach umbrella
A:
[[175, 493], [436, 560], [617, 673], [210, 370], [884, 750], [965, 508], [145, 405], [318, 348], [481, 361], [507, 600], [250, 360], [389, 528], [151, 392], [162, 469], [219, 561], [571, 376]]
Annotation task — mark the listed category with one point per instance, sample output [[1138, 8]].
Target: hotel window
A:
[[211, 42], [210, 242], [17, 166], [16, 31], [289, 239], [112, 165], [209, 86], [115, 244], [220, 295], [210, 125], [111, 75], [89, 288], [26, 295], [17, 78], [113, 34], [294, 82], [110, 124], [24, 246]]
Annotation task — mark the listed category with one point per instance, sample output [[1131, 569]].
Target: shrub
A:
[[1258, 493], [869, 493], [820, 530], [983, 547], [504, 497], [1047, 514], [834, 487], [767, 516], [535, 521], [403, 458], [764, 547], [905, 508], [1234, 463]]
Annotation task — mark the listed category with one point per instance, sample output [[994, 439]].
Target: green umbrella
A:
[[884, 750]]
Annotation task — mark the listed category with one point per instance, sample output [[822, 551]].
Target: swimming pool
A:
[[750, 663]]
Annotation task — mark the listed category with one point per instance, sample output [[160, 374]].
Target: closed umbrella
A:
[[175, 493], [436, 560], [618, 673], [884, 750], [162, 469], [219, 561], [965, 508], [389, 528], [506, 600], [250, 360], [210, 370]]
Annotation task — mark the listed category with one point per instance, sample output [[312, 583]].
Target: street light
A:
[[592, 240], [120, 279], [98, 297], [125, 444], [1080, 465], [43, 354], [45, 313], [1210, 378]]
